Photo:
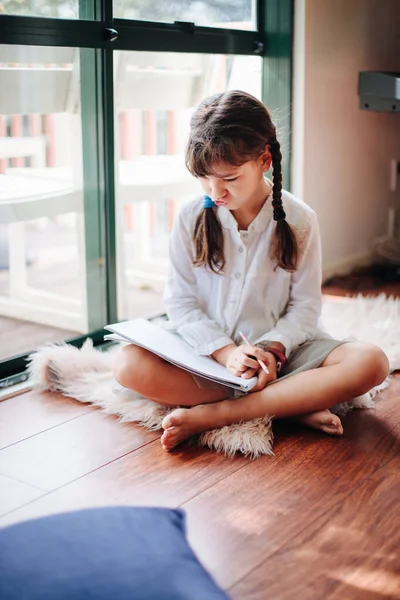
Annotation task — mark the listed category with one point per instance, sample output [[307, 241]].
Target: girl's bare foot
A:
[[322, 419], [182, 423]]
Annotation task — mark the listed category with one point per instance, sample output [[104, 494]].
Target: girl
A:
[[247, 258]]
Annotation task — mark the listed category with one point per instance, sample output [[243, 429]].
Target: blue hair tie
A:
[[208, 203]]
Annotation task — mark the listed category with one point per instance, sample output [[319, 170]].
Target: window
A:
[[95, 101], [43, 270]]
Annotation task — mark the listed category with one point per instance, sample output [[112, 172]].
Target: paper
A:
[[172, 348]]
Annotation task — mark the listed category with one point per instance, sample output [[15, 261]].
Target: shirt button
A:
[[245, 234], [237, 275], [226, 329], [240, 248]]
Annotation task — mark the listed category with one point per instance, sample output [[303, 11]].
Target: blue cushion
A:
[[102, 554]]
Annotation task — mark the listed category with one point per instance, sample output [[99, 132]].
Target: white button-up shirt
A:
[[253, 294]]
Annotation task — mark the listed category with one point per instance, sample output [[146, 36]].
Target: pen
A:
[[260, 362]]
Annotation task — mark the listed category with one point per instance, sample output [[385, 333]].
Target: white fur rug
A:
[[86, 374], [368, 319]]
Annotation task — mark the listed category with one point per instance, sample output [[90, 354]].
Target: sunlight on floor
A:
[[371, 580]]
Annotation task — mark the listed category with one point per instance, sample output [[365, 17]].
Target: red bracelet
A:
[[281, 359]]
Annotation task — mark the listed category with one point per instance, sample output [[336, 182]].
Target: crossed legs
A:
[[349, 371]]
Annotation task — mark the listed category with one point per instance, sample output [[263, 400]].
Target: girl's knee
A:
[[374, 364], [128, 366]]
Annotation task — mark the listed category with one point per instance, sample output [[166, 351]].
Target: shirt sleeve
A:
[[300, 320], [180, 297]]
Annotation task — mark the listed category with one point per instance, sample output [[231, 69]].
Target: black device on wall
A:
[[379, 91]]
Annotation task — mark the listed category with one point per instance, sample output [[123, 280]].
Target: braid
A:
[[284, 248], [208, 241], [276, 154]]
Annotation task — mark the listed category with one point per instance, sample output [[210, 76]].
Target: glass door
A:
[[53, 283], [42, 237]]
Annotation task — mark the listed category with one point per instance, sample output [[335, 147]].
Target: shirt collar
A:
[[260, 223]]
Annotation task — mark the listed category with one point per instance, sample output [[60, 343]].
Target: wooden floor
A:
[[319, 520]]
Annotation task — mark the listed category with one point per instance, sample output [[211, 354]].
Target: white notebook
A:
[[172, 348]]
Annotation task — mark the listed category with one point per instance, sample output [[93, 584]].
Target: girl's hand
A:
[[241, 360], [264, 378]]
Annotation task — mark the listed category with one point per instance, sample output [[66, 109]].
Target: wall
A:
[[341, 154]]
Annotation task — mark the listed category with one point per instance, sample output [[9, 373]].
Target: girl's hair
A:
[[234, 127]]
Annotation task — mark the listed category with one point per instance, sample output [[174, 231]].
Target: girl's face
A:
[[237, 187]]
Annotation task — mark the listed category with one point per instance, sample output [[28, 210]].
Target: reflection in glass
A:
[[237, 14], [42, 249], [155, 95], [65, 9]]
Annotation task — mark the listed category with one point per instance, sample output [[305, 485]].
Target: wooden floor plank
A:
[[64, 453], [252, 513], [351, 552], [14, 494], [147, 477], [34, 412]]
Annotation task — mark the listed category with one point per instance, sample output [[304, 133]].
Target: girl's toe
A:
[[168, 438], [168, 422], [172, 420]]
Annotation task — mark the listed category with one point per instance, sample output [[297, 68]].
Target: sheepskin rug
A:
[[85, 374]]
